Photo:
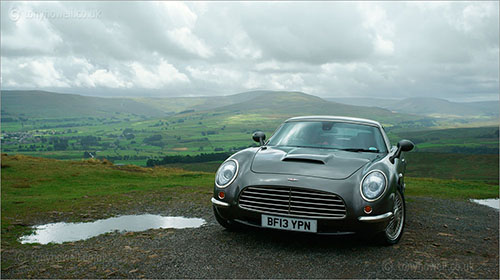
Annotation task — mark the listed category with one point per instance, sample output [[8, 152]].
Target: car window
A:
[[329, 135]]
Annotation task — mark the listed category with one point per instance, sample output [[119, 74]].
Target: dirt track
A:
[[443, 239]]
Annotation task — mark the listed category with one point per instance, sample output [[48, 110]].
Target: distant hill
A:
[[179, 104], [363, 101], [285, 104], [428, 106], [441, 107], [278, 104], [43, 104]]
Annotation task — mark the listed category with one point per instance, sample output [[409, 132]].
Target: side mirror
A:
[[259, 136], [403, 146]]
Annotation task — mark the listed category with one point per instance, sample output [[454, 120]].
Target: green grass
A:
[[477, 140], [34, 187], [452, 189], [30, 185], [453, 166]]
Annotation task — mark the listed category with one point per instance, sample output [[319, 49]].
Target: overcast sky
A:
[[330, 49]]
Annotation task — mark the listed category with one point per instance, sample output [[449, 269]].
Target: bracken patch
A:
[[21, 186]]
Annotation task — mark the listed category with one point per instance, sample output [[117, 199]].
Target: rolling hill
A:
[[434, 107], [282, 104], [179, 104], [43, 104], [289, 104], [60, 125]]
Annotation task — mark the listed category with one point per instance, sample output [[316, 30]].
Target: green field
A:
[[131, 131], [134, 140], [453, 189], [471, 140]]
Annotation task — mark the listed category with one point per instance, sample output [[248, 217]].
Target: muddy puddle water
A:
[[67, 232]]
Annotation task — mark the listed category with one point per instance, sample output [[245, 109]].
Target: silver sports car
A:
[[317, 174]]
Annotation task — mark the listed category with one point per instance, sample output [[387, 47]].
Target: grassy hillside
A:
[[33, 189], [289, 104], [475, 140], [453, 166], [129, 141], [132, 138], [42, 104], [426, 106], [180, 104], [125, 137], [440, 107]]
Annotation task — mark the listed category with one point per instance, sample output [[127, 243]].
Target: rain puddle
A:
[[491, 202], [67, 232]]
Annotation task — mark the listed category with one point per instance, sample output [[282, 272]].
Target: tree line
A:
[[203, 157]]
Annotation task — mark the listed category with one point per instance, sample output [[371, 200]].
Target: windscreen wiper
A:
[[360, 150]]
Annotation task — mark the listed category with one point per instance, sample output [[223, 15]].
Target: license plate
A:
[[294, 224]]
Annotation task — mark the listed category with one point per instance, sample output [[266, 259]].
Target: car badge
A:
[[292, 179]]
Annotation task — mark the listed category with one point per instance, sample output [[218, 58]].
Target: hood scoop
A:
[[316, 159]]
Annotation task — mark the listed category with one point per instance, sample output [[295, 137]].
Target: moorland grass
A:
[[35, 187]]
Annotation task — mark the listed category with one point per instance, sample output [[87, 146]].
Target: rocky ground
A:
[[442, 239]]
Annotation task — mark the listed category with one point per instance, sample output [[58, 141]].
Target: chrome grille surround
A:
[[292, 201]]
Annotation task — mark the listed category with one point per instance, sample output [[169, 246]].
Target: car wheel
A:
[[394, 230], [229, 225]]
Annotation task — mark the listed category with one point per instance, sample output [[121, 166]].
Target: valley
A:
[[133, 130]]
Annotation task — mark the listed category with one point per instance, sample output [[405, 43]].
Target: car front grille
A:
[[291, 201]]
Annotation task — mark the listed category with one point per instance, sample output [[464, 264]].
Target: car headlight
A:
[[226, 174], [373, 185]]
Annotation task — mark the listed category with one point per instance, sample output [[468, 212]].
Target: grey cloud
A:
[[397, 49], [306, 32]]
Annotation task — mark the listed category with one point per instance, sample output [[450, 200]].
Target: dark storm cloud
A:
[[399, 49]]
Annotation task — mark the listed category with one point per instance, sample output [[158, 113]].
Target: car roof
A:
[[335, 118]]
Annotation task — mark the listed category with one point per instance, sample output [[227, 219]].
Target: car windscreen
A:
[[329, 135]]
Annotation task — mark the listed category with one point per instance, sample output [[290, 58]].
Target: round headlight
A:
[[373, 185], [227, 173]]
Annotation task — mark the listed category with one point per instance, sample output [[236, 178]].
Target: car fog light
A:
[[222, 195], [368, 209]]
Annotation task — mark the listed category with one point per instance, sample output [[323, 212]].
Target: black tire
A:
[[227, 224], [393, 232]]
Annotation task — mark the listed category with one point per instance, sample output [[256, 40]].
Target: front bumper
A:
[[219, 203], [376, 219], [367, 224], [367, 219]]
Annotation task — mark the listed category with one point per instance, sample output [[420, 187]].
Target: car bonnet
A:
[[324, 163]]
